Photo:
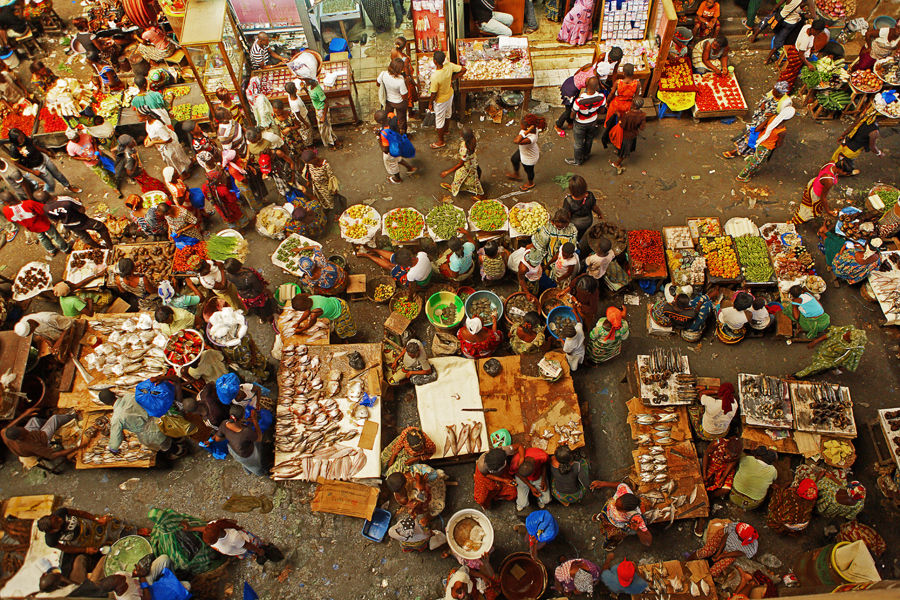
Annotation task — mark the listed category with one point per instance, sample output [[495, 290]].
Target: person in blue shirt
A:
[[457, 263], [808, 313], [622, 577]]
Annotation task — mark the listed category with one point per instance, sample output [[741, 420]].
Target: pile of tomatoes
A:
[[716, 93], [645, 248], [865, 81]]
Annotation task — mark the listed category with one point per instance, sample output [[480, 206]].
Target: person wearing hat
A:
[[839, 498], [622, 577], [717, 413], [771, 136], [791, 507], [74, 301], [726, 543], [606, 338], [842, 348], [756, 472], [477, 342], [83, 147]]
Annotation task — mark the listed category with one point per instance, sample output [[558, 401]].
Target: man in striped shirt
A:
[[586, 110], [262, 55]]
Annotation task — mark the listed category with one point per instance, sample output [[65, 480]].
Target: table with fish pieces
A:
[[765, 401], [537, 412], [665, 378], [677, 580], [317, 335], [823, 408], [96, 455], [323, 428], [667, 472], [121, 350]]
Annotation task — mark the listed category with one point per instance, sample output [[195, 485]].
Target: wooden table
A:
[[524, 84], [13, 357], [274, 78], [754, 437], [528, 405], [686, 572]]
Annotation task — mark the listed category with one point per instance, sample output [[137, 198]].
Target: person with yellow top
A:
[[445, 72], [172, 319]]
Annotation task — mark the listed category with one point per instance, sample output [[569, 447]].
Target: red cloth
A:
[[29, 214], [540, 461], [488, 490]]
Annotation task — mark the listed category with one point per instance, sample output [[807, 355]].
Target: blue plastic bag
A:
[[184, 241], [249, 592], [219, 450], [542, 526], [167, 587], [107, 163], [752, 137], [198, 200], [155, 398], [399, 145]]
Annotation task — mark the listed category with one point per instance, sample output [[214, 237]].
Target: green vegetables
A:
[[487, 215], [221, 248], [404, 224], [445, 219], [833, 100], [889, 197], [287, 254], [754, 258]]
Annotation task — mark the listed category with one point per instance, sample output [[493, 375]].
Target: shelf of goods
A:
[[495, 62], [718, 96], [424, 69], [429, 25], [624, 19]]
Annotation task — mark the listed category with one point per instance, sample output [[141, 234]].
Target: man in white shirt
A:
[[812, 37], [261, 54], [788, 14], [586, 110]]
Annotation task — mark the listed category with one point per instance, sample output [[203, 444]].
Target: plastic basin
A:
[[297, 290], [442, 300], [560, 311], [522, 577], [376, 528], [884, 21], [496, 302], [479, 517]]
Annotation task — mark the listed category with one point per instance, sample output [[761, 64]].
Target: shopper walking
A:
[[30, 156], [30, 215], [586, 110], [529, 151], [442, 93], [390, 132], [392, 87], [70, 212]]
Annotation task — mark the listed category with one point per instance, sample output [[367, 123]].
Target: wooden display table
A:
[[274, 78], [467, 50]]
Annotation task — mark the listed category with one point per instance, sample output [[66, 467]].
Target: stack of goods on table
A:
[[342, 80], [21, 116], [359, 223], [625, 19], [288, 325], [444, 221], [765, 401], [791, 260], [676, 85], [665, 378], [704, 227], [153, 260], [676, 580], [890, 426], [646, 258], [828, 79], [484, 60], [641, 53], [424, 69], [131, 349], [756, 267], [32, 279], [718, 94], [50, 122], [721, 259], [822, 408], [403, 224], [686, 265], [612, 232], [667, 470], [488, 215], [320, 415], [95, 437], [288, 254], [272, 81], [836, 10], [526, 218]]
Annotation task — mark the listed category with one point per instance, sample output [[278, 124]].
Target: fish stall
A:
[[95, 431], [677, 580], [328, 414], [664, 378], [122, 350], [667, 470]]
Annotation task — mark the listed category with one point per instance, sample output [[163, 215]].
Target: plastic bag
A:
[[176, 426]]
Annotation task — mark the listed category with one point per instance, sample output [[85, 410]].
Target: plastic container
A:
[[496, 302], [522, 577], [199, 352], [376, 528], [297, 290], [884, 21], [464, 292], [443, 300], [561, 311], [10, 58], [816, 567], [549, 300], [486, 543], [514, 319], [402, 294]]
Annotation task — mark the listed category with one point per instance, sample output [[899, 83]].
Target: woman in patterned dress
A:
[[320, 178], [466, 171], [577, 25], [606, 339]]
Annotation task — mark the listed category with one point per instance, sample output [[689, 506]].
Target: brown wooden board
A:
[[29, 507], [87, 420], [683, 467], [685, 573], [754, 437], [13, 357], [528, 405], [681, 429]]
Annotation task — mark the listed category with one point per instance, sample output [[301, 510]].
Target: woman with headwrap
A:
[[720, 462], [178, 191], [528, 337], [714, 420], [814, 202], [526, 264], [550, 238], [771, 105], [791, 507], [180, 221], [322, 276], [477, 342], [727, 543], [261, 108], [606, 338], [253, 289], [702, 306], [842, 348], [218, 194], [320, 178], [771, 138], [163, 137], [307, 218], [273, 158], [837, 496], [246, 178], [576, 576], [128, 164], [410, 447], [854, 261]]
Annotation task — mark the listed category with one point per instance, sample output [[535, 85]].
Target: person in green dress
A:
[[842, 347], [606, 338], [336, 310], [410, 447]]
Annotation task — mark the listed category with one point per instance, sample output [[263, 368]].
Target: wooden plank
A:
[[13, 357], [345, 498], [29, 507], [87, 420], [754, 437], [681, 429]]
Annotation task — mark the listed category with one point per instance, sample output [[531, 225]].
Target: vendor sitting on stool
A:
[[675, 309], [415, 364]]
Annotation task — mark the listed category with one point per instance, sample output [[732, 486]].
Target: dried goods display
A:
[[677, 76], [886, 289], [665, 378], [625, 19], [838, 453], [485, 60], [488, 215], [525, 218], [464, 438], [183, 347], [822, 408], [96, 452], [716, 93], [686, 267], [704, 227], [32, 279], [610, 231], [888, 105], [645, 252], [322, 408], [424, 69], [151, 260], [641, 53], [866, 82], [131, 350], [84, 264], [836, 9], [888, 70], [403, 224], [678, 237], [890, 426], [721, 258], [754, 256], [188, 258], [677, 580], [765, 401], [359, 223]]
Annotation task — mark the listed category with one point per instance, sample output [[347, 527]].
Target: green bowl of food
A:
[[444, 310]]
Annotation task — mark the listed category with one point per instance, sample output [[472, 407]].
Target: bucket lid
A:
[[5, 53]]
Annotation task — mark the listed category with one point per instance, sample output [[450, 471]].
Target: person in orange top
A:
[[706, 23], [768, 140], [624, 91]]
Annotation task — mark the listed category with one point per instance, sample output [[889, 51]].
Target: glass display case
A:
[[214, 51], [288, 23]]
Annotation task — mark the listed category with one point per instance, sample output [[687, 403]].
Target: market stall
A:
[[889, 419], [14, 352], [686, 265], [643, 29], [718, 97], [678, 580], [444, 221], [337, 82], [186, 101], [664, 378], [83, 265], [429, 26], [288, 253], [328, 416], [95, 431], [488, 218], [500, 63], [646, 256], [152, 260], [793, 265], [122, 350], [284, 20], [536, 411]]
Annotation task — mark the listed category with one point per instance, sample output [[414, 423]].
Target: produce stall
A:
[[82, 265], [536, 411], [756, 266], [444, 221], [678, 580], [95, 430], [722, 263], [186, 101], [152, 260], [337, 82], [526, 218], [676, 87], [718, 96], [403, 225], [646, 257], [500, 63], [666, 470], [488, 217], [704, 227], [328, 415], [889, 418], [359, 224], [686, 265], [288, 253]]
